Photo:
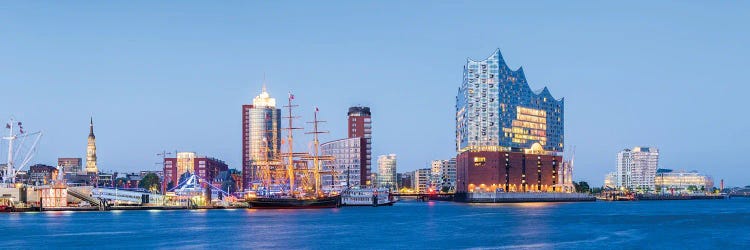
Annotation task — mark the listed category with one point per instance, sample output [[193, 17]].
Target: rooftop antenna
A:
[[263, 89]]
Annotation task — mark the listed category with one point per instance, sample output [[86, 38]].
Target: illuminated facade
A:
[[682, 181], [346, 166], [508, 137], [387, 171], [636, 168], [489, 171], [188, 162], [91, 151], [496, 110], [261, 138]]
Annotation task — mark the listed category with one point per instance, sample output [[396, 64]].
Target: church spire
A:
[[91, 150], [91, 127]]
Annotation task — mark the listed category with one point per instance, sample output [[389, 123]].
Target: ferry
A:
[[367, 197]]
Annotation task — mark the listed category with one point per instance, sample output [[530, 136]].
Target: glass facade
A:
[[682, 182], [261, 140], [387, 171], [346, 166], [496, 110]]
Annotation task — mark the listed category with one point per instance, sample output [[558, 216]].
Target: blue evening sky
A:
[[173, 75]]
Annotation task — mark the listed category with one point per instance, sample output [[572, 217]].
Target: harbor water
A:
[[693, 224]]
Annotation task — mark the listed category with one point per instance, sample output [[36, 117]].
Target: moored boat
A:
[[294, 203], [6, 205], [286, 181], [367, 197]]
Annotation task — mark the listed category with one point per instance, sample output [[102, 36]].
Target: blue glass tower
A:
[[496, 110]]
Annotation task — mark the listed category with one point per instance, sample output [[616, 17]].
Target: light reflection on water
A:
[[408, 224]]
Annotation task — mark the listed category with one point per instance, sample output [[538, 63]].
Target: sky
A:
[[172, 76]]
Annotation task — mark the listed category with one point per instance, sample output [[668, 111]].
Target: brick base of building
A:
[[507, 172]]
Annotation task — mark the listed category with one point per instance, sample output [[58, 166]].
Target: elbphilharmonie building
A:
[[508, 136]]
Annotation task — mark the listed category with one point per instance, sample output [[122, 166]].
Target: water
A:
[[410, 224]]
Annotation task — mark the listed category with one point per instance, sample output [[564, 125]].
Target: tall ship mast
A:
[[294, 195], [316, 158], [19, 151]]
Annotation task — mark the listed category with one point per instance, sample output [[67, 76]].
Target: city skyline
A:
[[665, 87]]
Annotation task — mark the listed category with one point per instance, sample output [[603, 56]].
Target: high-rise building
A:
[[636, 168], [261, 135], [387, 171], [360, 125], [188, 162], [507, 136], [443, 176], [91, 151], [70, 165], [346, 166]]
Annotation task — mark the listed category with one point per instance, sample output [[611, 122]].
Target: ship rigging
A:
[[17, 147]]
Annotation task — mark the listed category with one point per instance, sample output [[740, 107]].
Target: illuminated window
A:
[[479, 161]]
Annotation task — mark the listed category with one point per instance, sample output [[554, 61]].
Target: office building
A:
[[387, 171], [346, 166], [359, 124], [681, 181], [261, 136], [206, 168], [421, 181]]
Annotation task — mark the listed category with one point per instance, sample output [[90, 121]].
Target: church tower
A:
[[91, 151]]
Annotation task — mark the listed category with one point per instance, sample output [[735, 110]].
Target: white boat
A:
[[367, 197]]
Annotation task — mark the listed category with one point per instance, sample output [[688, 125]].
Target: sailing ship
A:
[[286, 180]]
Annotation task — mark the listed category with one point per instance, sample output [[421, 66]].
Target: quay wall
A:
[[679, 197], [522, 197]]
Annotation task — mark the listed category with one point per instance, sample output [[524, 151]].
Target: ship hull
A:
[[292, 203]]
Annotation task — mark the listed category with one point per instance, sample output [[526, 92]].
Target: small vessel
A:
[[367, 197], [297, 186]]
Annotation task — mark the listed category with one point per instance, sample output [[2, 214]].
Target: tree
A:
[[150, 182], [692, 188], [581, 187]]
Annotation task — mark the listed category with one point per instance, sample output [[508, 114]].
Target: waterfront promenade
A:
[[413, 225]]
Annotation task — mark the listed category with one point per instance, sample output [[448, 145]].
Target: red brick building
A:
[[359, 124], [508, 171], [205, 167]]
